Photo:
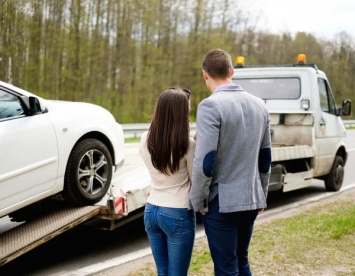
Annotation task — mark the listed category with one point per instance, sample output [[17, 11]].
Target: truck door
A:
[[328, 128]]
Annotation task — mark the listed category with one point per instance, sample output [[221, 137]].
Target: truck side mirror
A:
[[346, 108]]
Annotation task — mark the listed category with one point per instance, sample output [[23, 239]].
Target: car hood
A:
[[77, 110]]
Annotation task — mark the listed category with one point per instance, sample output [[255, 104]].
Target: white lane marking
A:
[[108, 264], [115, 261]]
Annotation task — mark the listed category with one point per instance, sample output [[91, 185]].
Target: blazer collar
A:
[[228, 87]]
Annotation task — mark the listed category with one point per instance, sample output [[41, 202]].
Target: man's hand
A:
[[260, 211], [203, 213]]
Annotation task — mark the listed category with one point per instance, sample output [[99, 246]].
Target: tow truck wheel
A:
[[88, 173], [334, 180]]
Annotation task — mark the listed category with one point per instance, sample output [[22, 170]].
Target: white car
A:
[[54, 147]]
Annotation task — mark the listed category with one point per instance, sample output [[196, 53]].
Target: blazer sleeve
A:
[[207, 133], [265, 158]]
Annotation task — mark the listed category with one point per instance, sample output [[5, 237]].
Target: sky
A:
[[322, 18]]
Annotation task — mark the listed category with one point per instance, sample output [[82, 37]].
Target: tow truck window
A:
[[272, 88], [327, 102]]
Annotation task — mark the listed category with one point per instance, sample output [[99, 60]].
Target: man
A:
[[232, 162]]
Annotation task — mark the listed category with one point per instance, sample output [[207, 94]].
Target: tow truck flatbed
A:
[[45, 227]]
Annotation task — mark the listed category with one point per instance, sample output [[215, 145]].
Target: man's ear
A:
[[232, 72], [205, 75]]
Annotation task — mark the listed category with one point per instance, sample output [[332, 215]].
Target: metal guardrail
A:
[[136, 130], [349, 123]]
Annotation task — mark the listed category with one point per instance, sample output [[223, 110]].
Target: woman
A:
[[168, 152]]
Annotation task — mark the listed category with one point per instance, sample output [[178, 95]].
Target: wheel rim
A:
[[339, 175], [93, 172]]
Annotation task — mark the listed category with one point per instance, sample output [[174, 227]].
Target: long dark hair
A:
[[168, 135]]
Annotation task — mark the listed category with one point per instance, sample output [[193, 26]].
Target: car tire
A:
[[334, 180], [88, 174]]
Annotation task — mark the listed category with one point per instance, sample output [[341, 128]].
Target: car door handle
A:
[[322, 122]]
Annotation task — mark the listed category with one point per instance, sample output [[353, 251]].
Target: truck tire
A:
[[88, 174], [334, 180]]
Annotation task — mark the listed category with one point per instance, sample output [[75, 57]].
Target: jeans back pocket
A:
[[147, 220], [171, 222]]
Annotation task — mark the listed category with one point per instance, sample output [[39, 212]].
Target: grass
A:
[[132, 140], [320, 241]]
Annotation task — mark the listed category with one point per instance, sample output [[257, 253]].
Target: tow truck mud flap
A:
[[29, 235], [275, 182]]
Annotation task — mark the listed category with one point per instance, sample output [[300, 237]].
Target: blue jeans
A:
[[171, 234], [228, 236]]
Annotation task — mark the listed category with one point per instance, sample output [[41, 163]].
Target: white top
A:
[[169, 190]]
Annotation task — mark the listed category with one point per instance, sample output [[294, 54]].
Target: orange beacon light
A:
[[301, 59], [240, 61]]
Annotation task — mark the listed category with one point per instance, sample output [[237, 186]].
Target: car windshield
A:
[[271, 88]]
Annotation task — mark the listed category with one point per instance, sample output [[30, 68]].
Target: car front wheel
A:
[[88, 174]]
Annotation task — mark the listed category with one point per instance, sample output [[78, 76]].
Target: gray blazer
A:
[[233, 151]]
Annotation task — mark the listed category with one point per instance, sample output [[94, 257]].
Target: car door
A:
[[28, 154], [329, 129]]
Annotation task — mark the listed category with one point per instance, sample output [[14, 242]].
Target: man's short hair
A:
[[218, 64]]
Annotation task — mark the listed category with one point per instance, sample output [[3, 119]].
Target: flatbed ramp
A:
[[29, 235]]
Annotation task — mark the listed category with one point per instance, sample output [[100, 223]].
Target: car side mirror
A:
[[32, 105], [346, 108], [35, 106]]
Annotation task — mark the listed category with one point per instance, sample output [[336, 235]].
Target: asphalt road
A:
[[86, 249]]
